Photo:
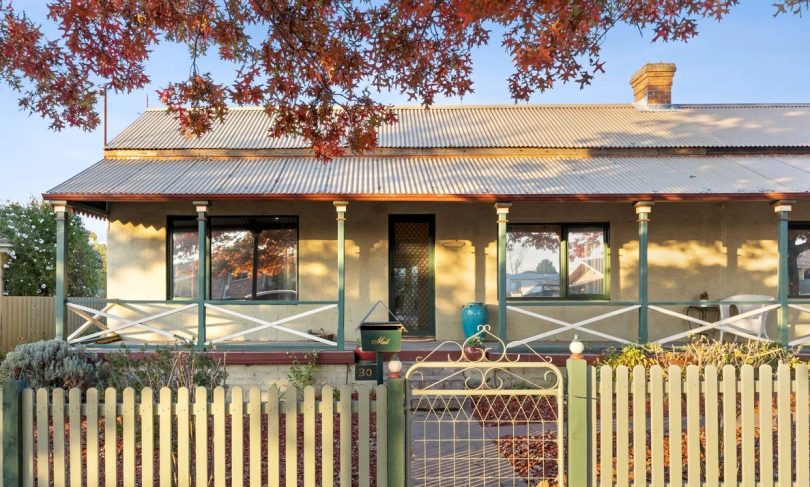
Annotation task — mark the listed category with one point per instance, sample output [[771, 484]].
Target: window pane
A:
[[799, 261], [276, 277], [533, 261], [184, 263], [586, 261], [231, 264]]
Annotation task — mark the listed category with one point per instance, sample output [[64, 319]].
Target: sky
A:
[[748, 57]]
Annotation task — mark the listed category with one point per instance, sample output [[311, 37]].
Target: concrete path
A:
[[452, 448]]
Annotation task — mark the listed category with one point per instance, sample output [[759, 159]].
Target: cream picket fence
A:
[[194, 438], [724, 427]]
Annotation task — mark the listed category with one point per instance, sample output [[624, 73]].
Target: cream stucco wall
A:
[[722, 248]]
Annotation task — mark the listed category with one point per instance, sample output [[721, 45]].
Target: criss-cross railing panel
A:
[[572, 326]]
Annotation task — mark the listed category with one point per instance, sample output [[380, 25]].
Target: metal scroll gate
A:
[[485, 421]]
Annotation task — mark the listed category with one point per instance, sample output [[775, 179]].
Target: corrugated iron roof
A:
[[544, 126], [440, 176]]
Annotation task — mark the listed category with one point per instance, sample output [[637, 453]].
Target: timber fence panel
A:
[[345, 418], [110, 437], [622, 425], [291, 436], [784, 426], [255, 420], [128, 413], [201, 436], [59, 456], [802, 442], [183, 437], [196, 435], [712, 426], [765, 425], [639, 386], [273, 443], [657, 426], [166, 453], [747, 390], [28, 437], [594, 424], [703, 428], [363, 436], [147, 435], [309, 436], [75, 418], [43, 438], [675, 410], [237, 437], [218, 411], [327, 437], [91, 413], [606, 425], [729, 425], [693, 461]]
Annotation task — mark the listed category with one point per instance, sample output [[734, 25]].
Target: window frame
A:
[[210, 224], [797, 225], [563, 264]]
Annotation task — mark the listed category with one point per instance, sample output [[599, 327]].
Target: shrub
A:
[[303, 375], [702, 352], [50, 364], [168, 366]]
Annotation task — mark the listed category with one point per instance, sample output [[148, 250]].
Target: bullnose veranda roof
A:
[[499, 126], [441, 177]]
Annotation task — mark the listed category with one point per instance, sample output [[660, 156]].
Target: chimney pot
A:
[[652, 85]]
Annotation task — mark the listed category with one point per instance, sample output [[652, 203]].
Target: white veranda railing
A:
[[276, 324], [725, 325], [92, 318], [567, 326]]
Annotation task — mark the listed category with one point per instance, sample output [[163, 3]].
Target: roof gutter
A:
[[76, 199]]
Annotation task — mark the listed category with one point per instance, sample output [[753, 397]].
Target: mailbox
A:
[[381, 336]]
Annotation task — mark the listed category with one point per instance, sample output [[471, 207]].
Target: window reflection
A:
[[537, 268], [250, 258]]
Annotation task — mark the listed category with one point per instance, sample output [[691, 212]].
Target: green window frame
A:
[[257, 231], [515, 287]]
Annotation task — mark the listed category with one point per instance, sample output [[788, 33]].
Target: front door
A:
[[411, 284]]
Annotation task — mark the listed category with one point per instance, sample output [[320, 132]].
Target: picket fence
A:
[[652, 427], [729, 427], [271, 437]]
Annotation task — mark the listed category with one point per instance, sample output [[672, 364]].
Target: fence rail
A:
[[330, 436], [674, 427], [26, 319]]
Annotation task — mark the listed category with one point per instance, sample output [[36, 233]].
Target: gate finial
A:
[[576, 347]]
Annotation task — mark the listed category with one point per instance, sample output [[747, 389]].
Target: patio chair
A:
[[755, 325]]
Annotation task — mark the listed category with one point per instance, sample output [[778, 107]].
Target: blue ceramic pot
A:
[[473, 315]]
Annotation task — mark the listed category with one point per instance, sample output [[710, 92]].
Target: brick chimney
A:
[[652, 85]]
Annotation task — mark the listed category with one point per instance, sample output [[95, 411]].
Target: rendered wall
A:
[[722, 248]]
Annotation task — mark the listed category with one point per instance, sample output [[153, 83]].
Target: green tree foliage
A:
[[30, 268], [302, 59], [545, 266]]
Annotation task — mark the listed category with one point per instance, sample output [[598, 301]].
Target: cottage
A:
[[609, 221]]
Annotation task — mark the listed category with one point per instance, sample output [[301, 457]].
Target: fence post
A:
[[12, 432], [579, 422], [396, 432]]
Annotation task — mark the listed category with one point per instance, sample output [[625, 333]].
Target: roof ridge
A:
[[529, 106]]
